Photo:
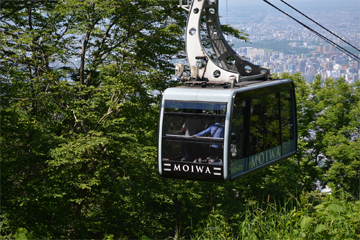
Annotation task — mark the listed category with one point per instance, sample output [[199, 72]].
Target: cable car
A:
[[256, 124], [230, 119]]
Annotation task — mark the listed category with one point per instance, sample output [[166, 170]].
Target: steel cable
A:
[[319, 25], [318, 34]]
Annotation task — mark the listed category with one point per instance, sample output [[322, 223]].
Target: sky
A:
[[299, 4]]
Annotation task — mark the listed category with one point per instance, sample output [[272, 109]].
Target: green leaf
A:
[[305, 222], [21, 234], [336, 216], [319, 206], [320, 228], [335, 208]]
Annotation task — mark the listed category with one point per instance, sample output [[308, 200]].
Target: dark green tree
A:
[[79, 105], [328, 145], [329, 142]]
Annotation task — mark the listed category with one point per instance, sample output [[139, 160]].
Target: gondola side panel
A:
[[264, 128]]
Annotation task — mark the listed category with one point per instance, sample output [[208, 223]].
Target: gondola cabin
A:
[[230, 119], [223, 134]]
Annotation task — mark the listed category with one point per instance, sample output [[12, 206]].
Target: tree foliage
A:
[[79, 108], [79, 112], [329, 140]]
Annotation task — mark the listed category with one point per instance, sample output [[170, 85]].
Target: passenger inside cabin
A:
[[217, 131]]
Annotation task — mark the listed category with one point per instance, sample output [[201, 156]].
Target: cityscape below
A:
[[283, 45]]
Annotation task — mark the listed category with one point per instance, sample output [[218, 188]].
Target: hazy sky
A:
[[299, 4], [256, 2]]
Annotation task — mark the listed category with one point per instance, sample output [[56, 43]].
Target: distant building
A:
[[356, 77], [356, 65], [337, 67], [255, 51], [302, 66], [309, 77], [334, 74]]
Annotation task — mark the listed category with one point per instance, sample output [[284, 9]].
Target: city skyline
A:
[[266, 25]]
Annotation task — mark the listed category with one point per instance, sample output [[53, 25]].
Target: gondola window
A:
[[185, 132], [262, 130]]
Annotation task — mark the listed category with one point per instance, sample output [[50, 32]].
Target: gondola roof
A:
[[216, 93]]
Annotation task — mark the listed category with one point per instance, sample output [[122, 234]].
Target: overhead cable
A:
[[319, 24], [321, 36]]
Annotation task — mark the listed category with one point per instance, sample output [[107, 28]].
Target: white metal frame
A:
[[195, 50]]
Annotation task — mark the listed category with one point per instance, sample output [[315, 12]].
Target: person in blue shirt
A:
[[216, 131]]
